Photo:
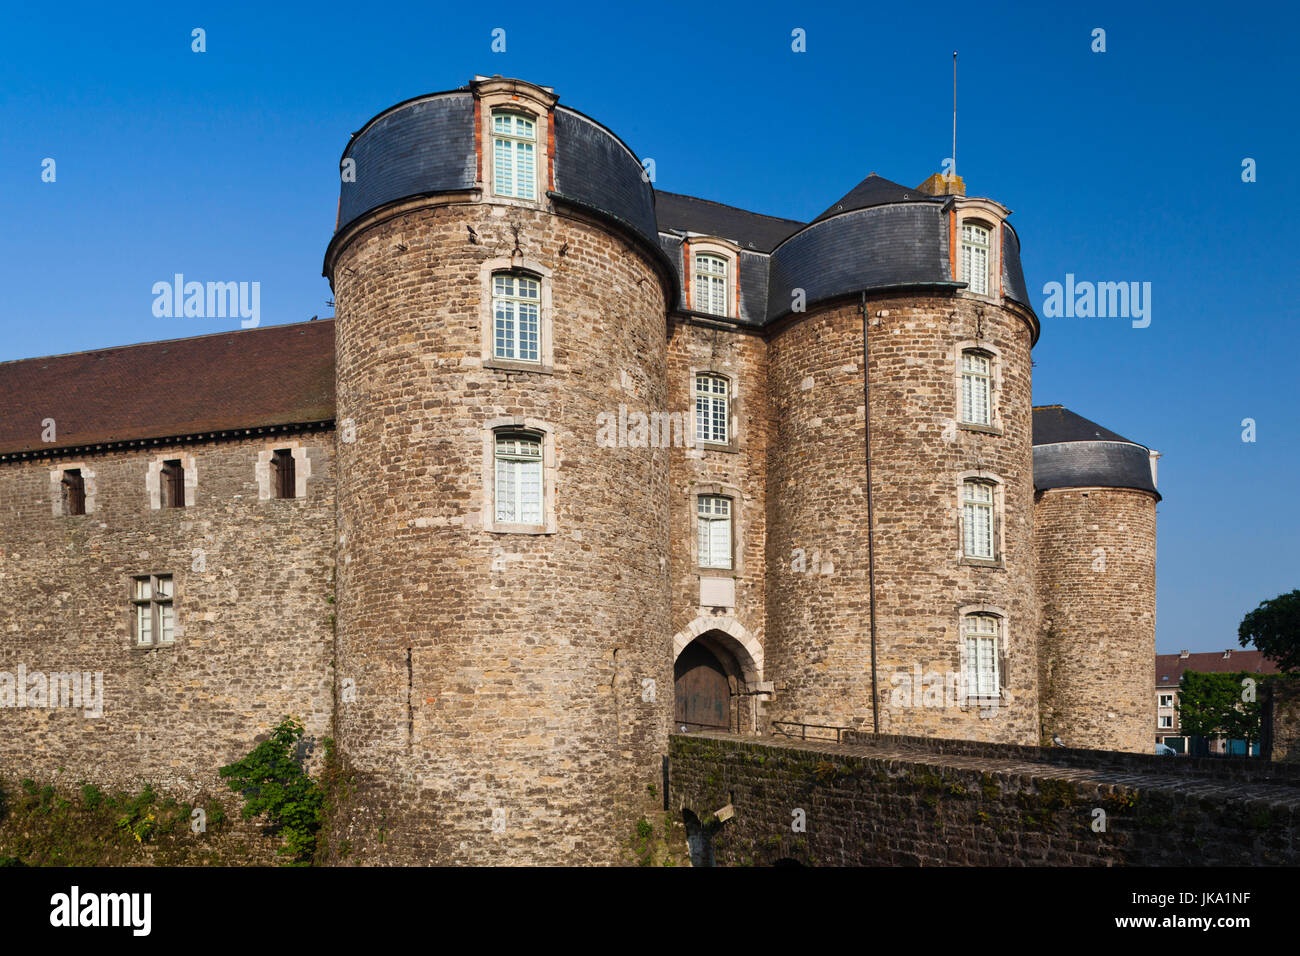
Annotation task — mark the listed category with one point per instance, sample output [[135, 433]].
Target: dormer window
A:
[[975, 258], [710, 284], [514, 155]]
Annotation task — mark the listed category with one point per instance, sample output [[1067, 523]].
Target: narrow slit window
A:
[[283, 477], [519, 493], [74, 492], [713, 515], [173, 484], [711, 408]]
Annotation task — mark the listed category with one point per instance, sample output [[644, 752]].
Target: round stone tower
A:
[[949, 332], [1095, 528], [505, 687]]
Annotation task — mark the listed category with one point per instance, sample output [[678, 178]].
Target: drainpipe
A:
[[871, 546]]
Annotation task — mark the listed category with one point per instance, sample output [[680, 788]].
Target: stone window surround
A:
[[177, 630], [545, 349], [990, 215], [517, 97], [547, 434], [999, 512], [1001, 655], [153, 478], [732, 444], [723, 249], [56, 487], [723, 490], [995, 426], [262, 470]]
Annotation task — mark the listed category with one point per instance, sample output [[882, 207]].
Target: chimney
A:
[[943, 184], [1182, 655]]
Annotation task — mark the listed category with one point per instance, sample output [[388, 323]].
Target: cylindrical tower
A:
[[504, 675], [1095, 531], [949, 332]]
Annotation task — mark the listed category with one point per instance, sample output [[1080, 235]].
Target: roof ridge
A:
[[714, 202], [183, 338]]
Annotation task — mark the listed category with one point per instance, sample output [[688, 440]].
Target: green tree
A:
[[1274, 629], [272, 781], [1211, 705]]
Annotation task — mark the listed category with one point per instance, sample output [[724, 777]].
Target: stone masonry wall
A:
[[737, 471], [1097, 587], [253, 641], [818, 636], [890, 802], [499, 713]]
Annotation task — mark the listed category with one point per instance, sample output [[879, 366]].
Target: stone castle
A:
[[577, 464]]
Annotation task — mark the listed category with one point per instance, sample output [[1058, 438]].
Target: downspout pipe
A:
[[871, 545]]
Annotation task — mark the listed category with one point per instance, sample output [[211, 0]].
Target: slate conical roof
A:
[[1072, 452]]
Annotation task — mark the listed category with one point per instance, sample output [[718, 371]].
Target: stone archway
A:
[[717, 677]]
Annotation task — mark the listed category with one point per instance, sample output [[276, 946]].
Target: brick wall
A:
[[253, 581], [1097, 588]]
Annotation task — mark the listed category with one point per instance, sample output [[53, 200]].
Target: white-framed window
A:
[[516, 317], [713, 529], [518, 478], [1166, 700], [153, 615], [977, 520], [975, 257], [514, 155], [710, 284], [712, 394], [976, 387], [1167, 721], [980, 634]]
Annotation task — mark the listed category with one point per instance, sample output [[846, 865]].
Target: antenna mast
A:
[[954, 112]]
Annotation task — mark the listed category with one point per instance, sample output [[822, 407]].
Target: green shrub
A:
[[272, 781]]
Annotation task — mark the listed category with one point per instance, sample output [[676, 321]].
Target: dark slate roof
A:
[[878, 248], [1072, 452], [253, 378], [1093, 464], [876, 191], [749, 230], [1170, 667], [425, 145], [1056, 423]]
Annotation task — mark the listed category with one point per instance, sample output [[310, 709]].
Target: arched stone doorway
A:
[[702, 691], [715, 683]]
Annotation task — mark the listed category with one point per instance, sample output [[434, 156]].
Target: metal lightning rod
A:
[[954, 112]]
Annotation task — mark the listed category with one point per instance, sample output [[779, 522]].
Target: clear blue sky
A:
[[1123, 165]]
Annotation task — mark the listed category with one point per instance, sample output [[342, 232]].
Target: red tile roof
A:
[[276, 375], [1170, 667]]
